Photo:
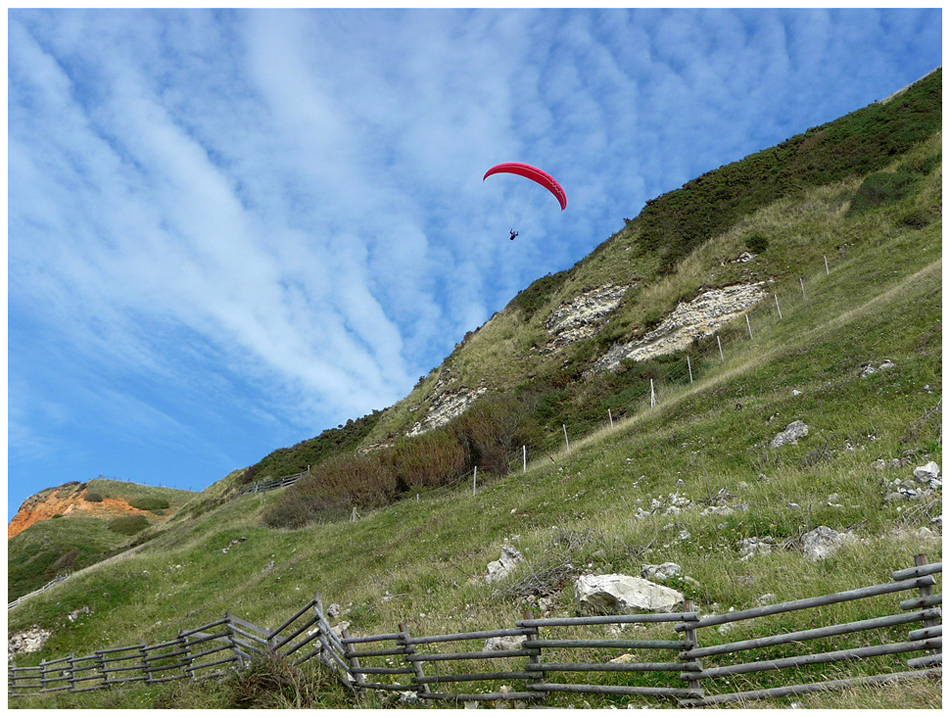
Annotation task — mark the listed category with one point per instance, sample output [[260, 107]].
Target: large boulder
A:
[[623, 595]]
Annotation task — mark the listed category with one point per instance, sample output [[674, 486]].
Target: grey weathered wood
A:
[[479, 635], [815, 658], [806, 635], [614, 666], [482, 655], [607, 619], [917, 571], [826, 686], [677, 692], [623, 644], [845, 596]]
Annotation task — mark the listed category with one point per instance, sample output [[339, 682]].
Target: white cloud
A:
[[280, 215]]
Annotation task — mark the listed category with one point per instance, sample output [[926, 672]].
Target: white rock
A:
[[623, 594], [501, 568], [793, 431], [663, 571], [822, 542]]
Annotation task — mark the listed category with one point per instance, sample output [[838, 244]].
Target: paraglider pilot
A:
[[513, 234]]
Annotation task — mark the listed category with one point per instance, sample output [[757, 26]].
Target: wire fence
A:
[[682, 657]]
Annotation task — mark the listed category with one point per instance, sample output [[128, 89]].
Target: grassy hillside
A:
[[77, 540], [601, 506]]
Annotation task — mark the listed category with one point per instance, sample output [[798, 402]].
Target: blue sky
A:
[[231, 229]]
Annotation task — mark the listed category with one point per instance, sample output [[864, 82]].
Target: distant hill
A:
[[77, 524]]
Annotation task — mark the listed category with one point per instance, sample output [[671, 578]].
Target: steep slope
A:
[[690, 480]]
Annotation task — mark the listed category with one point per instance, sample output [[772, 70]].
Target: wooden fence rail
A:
[[541, 657]]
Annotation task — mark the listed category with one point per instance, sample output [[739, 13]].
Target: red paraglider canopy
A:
[[533, 173]]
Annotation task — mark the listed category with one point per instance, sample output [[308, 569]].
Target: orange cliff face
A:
[[67, 500]]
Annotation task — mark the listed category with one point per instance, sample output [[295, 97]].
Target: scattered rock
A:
[[793, 431], [510, 642], [501, 568], [27, 641], [822, 542], [868, 369], [754, 546], [623, 594], [665, 571], [268, 567]]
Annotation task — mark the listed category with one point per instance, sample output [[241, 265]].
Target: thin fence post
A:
[[826, 265], [72, 671], [749, 325], [925, 590], [692, 642], [652, 395], [536, 681], [566, 442], [524, 458], [719, 344], [407, 651], [777, 306], [689, 367], [802, 282], [358, 676], [187, 662], [610, 418], [42, 675], [474, 477], [101, 666]]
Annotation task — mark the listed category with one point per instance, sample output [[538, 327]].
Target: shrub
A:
[[149, 503], [757, 243], [881, 188], [128, 524], [93, 497]]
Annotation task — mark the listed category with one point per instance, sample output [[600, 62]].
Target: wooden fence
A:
[[55, 581], [272, 483], [677, 657]]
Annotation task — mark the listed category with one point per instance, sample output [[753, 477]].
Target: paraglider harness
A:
[[513, 234]]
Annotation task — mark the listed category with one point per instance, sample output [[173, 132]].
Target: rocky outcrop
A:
[[445, 407], [701, 317], [69, 499], [582, 316]]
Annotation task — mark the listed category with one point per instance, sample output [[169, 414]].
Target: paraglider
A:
[[533, 173], [539, 176]]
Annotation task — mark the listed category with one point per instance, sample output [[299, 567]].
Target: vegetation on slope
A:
[[79, 539], [592, 508]]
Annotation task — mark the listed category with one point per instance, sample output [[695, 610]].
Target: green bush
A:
[[128, 524], [151, 503], [882, 188], [757, 243], [93, 497]]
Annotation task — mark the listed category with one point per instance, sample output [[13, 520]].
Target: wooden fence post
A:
[[101, 666], [189, 660], [72, 671], [536, 682], [407, 650], [358, 676], [692, 642]]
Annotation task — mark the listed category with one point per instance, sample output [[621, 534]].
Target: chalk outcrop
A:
[[582, 316], [689, 321]]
